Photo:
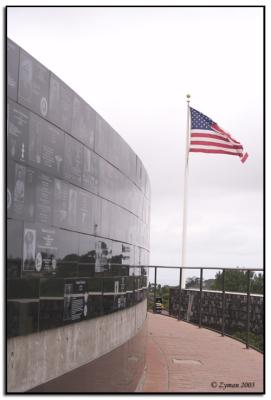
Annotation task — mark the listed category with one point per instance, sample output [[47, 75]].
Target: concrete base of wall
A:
[[38, 358]]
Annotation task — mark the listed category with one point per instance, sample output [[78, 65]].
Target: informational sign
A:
[[17, 131], [13, 53], [46, 146], [39, 249], [73, 160], [60, 104], [33, 84], [75, 300], [83, 122]]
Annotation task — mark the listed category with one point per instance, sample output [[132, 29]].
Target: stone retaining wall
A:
[[235, 309]]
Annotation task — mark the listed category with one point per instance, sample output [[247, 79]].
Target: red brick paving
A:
[[221, 360]]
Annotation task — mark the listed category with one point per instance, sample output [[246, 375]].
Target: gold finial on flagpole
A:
[[188, 97]]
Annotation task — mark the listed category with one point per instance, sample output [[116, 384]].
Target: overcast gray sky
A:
[[134, 66]]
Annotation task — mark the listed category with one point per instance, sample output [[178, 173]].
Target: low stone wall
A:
[[235, 309], [38, 358]]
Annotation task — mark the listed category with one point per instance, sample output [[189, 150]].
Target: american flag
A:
[[208, 137]]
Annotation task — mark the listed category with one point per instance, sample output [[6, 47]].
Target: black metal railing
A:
[[223, 291]]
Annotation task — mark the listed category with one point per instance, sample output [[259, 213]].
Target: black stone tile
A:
[[67, 258], [13, 54], [33, 84], [46, 146], [83, 122], [22, 317], [60, 103], [17, 132], [14, 248]]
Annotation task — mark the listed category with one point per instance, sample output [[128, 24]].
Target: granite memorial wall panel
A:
[[90, 175], [67, 256], [13, 55], [46, 146], [14, 248], [22, 306], [17, 132], [73, 160], [60, 104], [33, 84], [83, 122], [87, 255]]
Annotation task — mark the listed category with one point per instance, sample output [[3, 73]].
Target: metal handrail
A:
[[247, 293]]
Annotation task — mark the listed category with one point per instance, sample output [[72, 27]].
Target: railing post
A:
[[154, 293], [223, 303], [200, 294], [180, 290], [248, 304]]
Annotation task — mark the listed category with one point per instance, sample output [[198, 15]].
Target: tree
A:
[[236, 281]]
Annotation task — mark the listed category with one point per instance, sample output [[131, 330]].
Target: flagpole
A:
[[183, 264]]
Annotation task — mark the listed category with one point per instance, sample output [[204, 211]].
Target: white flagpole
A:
[[183, 264]]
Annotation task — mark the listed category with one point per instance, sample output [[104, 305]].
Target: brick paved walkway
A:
[[183, 358]]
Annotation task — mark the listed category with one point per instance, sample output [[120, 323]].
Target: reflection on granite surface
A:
[[117, 372]]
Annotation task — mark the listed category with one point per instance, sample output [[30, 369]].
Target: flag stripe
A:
[[217, 144], [234, 151], [217, 128], [201, 150], [208, 131], [208, 135]]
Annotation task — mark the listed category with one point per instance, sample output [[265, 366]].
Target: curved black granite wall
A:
[[78, 201]]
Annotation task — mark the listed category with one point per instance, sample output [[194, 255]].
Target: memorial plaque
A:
[[46, 146], [83, 122], [20, 191], [39, 249], [90, 177], [60, 104], [75, 300], [44, 199], [14, 248], [12, 69], [17, 131], [61, 203], [73, 160], [33, 84]]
